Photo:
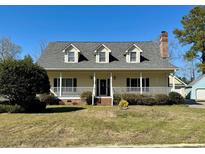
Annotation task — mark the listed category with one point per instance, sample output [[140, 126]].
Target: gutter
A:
[[173, 69]]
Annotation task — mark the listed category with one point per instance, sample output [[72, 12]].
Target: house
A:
[[177, 84], [106, 68], [196, 89]]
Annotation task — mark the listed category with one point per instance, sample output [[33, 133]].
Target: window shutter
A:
[[74, 82], [55, 82], [143, 82], [128, 82], [97, 87], [168, 82], [66, 57], [108, 87], [147, 82]]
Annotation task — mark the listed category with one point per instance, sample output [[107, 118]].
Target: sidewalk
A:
[[200, 105], [183, 145]]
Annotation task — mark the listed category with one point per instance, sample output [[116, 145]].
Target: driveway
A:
[[200, 105]]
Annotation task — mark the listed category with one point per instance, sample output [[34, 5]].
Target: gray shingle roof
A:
[[53, 57]]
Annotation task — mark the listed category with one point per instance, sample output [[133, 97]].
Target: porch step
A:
[[104, 101]]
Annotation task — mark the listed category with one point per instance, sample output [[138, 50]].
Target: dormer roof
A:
[[71, 46], [100, 46], [133, 46]]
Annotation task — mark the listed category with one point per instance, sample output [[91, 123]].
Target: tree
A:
[[43, 45], [40, 50], [8, 49], [22, 80], [193, 34]]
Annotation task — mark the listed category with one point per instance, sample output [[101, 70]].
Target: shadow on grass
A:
[[192, 102], [63, 109]]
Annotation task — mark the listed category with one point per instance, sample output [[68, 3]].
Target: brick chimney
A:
[[164, 44]]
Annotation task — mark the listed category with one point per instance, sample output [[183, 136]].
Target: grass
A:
[[66, 126]]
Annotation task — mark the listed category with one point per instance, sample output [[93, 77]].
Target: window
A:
[[133, 84], [71, 57], [132, 56], [101, 56], [68, 84]]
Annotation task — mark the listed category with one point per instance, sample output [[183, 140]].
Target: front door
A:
[[103, 87]]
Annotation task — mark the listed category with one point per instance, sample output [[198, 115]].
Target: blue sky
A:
[[28, 26]]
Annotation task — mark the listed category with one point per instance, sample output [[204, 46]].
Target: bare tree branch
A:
[[8, 49]]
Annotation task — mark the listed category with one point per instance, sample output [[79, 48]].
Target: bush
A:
[[116, 99], [176, 98], [162, 99], [147, 100], [86, 97], [133, 99], [7, 108], [137, 99], [123, 104], [48, 99], [35, 106], [21, 80]]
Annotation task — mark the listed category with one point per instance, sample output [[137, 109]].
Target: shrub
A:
[[176, 98], [137, 99], [86, 97], [21, 80], [35, 106], [147, 100], [123, 104], [134, 99], [48, 99], [7, 108], [162, 99], [116, 99]]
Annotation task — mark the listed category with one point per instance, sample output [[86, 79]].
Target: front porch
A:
[[105, 84]]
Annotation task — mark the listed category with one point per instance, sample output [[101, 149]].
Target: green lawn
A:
[[65, 126]]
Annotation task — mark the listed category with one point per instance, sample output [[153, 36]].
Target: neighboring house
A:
[[196, 89], [177, 85], [106, 68]]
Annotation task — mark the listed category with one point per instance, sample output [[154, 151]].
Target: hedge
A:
[[8, 108], [159, 99]]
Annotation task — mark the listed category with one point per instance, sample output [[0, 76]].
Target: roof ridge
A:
[[99, 41]]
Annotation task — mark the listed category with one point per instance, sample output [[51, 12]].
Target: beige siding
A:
[[157, 79], [85, 78]]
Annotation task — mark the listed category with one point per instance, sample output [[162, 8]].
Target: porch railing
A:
[[76, 91], [145, 90], [70, 91]]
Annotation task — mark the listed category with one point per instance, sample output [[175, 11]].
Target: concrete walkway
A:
[[200, 105], [182, 145]]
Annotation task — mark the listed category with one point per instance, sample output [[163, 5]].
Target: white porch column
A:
[[93, 95], [60, 84], [173, 82], [140, 82], [111, 89]]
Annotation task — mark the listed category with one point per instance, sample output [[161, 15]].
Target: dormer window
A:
[[133, 54], [71, 54], [102, 57], [102, 54]]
